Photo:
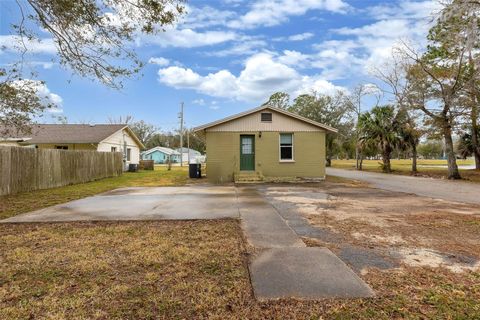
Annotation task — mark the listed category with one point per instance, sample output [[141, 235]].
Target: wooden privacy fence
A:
[[26, 169]]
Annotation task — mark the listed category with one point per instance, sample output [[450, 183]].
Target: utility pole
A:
[[188, 147], [181, 133]]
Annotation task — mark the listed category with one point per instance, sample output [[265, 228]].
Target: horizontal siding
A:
[[223, 150], [223, 154], [280, 122], [116, 140]]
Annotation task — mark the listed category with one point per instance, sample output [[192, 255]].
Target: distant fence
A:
[[147, 165], [27, 169]]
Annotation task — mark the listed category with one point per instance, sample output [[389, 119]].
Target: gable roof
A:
[[76, 133], [262, 108], [186, 150], [165, 150]]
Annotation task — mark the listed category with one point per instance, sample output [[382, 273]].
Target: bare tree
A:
[[394, 74], [92, 38], [355, 100], [442, 82]]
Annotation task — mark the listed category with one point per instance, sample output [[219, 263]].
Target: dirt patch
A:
[[421, 257], [373, 228]]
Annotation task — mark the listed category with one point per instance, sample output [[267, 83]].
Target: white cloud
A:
[[243, 48], [43, 92], [275, 12], [262, 75], [163, 62], [188, 38], [200, 102], [295, 37], [205, 17], [371, 45], [301, 36], [16, 43], [43, 64], [427, 9], [294, 58]]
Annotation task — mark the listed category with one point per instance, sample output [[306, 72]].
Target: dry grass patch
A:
[[120, 270], [187, 270], [421, 256]]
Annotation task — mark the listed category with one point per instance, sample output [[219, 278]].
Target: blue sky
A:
[[226, 56]]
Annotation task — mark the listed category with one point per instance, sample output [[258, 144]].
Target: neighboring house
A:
[[190, 154], [161, 155], [14, 138], [98, 137], [264, 142]]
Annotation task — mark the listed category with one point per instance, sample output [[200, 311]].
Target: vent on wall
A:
[[266, 117]]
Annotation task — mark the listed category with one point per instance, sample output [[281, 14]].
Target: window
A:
[[113, 149], [266, 117], [129, 151], [247, 145], [286, 146], [61, 147]]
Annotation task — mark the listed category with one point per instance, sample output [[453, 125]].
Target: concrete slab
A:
[[304, 273], [263, 226], [165, 203]]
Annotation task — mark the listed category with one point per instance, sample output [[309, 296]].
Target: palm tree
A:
[[465, 146], [410, 135], [380, 126]]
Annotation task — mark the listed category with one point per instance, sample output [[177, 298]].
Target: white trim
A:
[[280, 148], [130, 133], [246, 113]]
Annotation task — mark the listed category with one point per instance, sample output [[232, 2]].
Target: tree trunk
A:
[[474, 93], [329, 161], [358, 166], [414, 159], [453, 172], [475, 134], [387, 168]]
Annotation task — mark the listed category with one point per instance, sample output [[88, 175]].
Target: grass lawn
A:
[[12, 205], [188, 270], [428, 168], [198, 269]]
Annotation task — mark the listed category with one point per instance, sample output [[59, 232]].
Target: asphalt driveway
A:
[[459, 191]]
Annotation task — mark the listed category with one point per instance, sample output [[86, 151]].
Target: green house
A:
[[264, 143]]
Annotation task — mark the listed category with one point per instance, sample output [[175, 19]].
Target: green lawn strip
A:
[[12, 205], [403, 167]]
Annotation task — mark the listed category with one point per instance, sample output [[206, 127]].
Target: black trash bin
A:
[[132, 167], [195, 170]]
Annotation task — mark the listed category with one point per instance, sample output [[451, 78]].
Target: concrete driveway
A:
[[165, 203], [281, 266], [459, 191]]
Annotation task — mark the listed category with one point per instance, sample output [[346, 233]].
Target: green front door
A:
[[247, 153]]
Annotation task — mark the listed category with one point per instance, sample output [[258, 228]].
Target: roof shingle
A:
[[73, 133]]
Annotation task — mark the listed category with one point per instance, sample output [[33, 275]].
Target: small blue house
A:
[[161, 155]]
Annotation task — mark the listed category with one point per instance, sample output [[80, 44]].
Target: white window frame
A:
[[280, 147]]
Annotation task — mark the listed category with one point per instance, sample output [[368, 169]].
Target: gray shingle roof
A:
[[72, 133]]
